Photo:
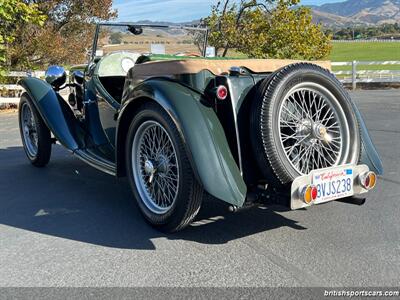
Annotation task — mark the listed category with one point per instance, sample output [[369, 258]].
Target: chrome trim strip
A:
[[96, 162], [239, 149]]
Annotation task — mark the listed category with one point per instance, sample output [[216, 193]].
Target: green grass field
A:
[[365, 51], [346, 52], [373, 51]]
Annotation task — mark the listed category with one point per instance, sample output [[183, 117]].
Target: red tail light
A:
[[314, 193], [222, 92]]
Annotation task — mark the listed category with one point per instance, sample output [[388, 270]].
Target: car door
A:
[[99, 116]]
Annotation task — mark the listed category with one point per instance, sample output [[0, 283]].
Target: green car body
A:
[[216, 141]]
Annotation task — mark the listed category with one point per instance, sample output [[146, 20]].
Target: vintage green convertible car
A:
[[152, 106]]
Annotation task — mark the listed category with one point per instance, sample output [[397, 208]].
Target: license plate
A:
[[333, 183]]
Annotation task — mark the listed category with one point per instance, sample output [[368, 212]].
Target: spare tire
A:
[[302, 119]]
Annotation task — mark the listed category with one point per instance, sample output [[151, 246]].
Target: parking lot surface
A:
[[71, 225]]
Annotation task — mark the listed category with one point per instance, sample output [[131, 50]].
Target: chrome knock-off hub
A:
[[149, 167]]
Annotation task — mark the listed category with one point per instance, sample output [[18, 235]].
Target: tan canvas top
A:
[[193, 66]]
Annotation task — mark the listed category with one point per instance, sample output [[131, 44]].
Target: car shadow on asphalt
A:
[[71, 200]]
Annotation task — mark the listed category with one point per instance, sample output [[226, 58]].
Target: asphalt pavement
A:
[[71, 225]]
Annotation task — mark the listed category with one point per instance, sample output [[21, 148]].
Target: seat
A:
[[112, 70]]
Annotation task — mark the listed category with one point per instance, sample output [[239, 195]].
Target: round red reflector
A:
[[314, 193], [222, 92]]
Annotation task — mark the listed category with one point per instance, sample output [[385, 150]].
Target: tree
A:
[[266, 29], [66, 35], [15, 14], [293, 35]]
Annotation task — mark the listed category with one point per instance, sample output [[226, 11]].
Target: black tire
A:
[[189, 195], [265, 121], [41, 156]]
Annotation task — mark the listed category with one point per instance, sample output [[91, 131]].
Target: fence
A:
[[370, 71], [367, 41], [347, 72], [10, 93]]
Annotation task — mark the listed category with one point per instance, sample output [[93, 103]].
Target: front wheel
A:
[[36, 137], [159, 171]]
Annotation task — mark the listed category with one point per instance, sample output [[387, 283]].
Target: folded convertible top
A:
[[193, 66]]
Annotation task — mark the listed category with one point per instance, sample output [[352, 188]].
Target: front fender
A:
[[46, 102], [203, 135]]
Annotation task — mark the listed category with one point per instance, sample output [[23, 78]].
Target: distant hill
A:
[[371, 12], [332, 20], [347, 13]]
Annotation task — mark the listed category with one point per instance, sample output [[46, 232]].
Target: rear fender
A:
[[369, 155], [203, 135], [56, 116]]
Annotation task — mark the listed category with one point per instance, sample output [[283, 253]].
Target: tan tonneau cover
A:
[[193, 66]]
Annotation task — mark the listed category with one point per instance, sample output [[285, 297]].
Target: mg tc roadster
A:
[[152, 105]]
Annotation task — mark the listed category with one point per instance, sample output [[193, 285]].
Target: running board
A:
[[96, 162]]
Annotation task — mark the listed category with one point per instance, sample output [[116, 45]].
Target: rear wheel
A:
[[303, 120], [36, 137], [159, 171]]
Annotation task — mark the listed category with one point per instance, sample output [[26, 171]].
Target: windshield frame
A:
[[98, 26]]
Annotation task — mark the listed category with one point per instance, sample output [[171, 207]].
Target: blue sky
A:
[[172, 10]]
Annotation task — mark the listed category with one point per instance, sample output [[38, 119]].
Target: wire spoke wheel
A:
[[155, 167], [302, 119], [313, 129], [159, 171], [35, 135], [29, 130]]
